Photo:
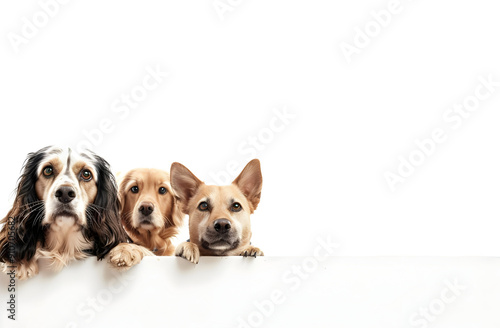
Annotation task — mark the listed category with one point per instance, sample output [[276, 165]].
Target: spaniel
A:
[[66, 208]]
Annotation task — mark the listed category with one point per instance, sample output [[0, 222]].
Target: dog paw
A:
[[189, 251], [251, 251], [4, 267], [124, 256], [24, 271]]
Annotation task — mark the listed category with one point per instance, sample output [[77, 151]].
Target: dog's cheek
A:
[[127, 206], [159, 220], [41, 187], [134, 218], [195, 226], [242, 222], [89, 191]]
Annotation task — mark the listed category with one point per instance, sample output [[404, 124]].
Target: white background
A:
[[324, 172]]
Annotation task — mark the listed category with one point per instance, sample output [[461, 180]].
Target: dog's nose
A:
[[146, 208], [65, 194], [222, 225]]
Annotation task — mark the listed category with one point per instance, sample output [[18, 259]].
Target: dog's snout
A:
[[222, 225], [146, 208], [65, 194]]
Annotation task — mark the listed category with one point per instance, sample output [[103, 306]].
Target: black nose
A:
[[146, 208], [222, 225], [65, 194]]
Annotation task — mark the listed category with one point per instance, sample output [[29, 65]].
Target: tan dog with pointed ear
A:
[[219, 216]]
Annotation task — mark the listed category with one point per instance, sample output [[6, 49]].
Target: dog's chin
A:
[[146, 226], [64, 214], [221, 245]]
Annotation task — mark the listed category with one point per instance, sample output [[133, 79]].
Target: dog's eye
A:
[[86, 175], [134, 189], [48, 171], [162, 190], [203, 206], [236, 207]]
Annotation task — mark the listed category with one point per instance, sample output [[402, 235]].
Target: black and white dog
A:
[[66, 208]]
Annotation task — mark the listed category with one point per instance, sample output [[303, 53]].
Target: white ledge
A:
[[263, 292]]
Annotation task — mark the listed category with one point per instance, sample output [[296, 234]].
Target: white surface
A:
[[324, 172], [338, 292]]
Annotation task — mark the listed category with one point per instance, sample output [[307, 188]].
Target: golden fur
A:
[[155, 230]]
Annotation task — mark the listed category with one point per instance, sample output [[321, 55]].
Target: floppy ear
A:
[[250, 182], [184, 184], [22, 229], [103, 222]]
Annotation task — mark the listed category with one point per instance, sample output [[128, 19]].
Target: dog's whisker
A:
[[24, 215], [31, 209], [31, 204], [39, 216]]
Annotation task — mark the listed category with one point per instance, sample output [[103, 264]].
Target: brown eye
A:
[[48, 171], [86, 175], [203, 206], [236, 207], [134, 189], [162, 190]]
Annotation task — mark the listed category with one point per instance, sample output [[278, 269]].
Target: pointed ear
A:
[[184, 184], [250, 182]]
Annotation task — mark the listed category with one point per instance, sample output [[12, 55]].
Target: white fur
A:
[[64, 243], [64, 240], [66, 178]]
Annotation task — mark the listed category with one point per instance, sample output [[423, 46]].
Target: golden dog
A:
[[149, 212]]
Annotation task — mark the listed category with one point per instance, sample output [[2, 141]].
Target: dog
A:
[[150, 212], [66, 208], [219, 216]]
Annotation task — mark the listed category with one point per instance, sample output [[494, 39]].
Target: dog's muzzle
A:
[[220, 236]]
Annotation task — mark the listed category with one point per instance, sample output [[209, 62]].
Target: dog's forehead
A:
[[149, 176], [68, 158], [224, 194], [158, 176]]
